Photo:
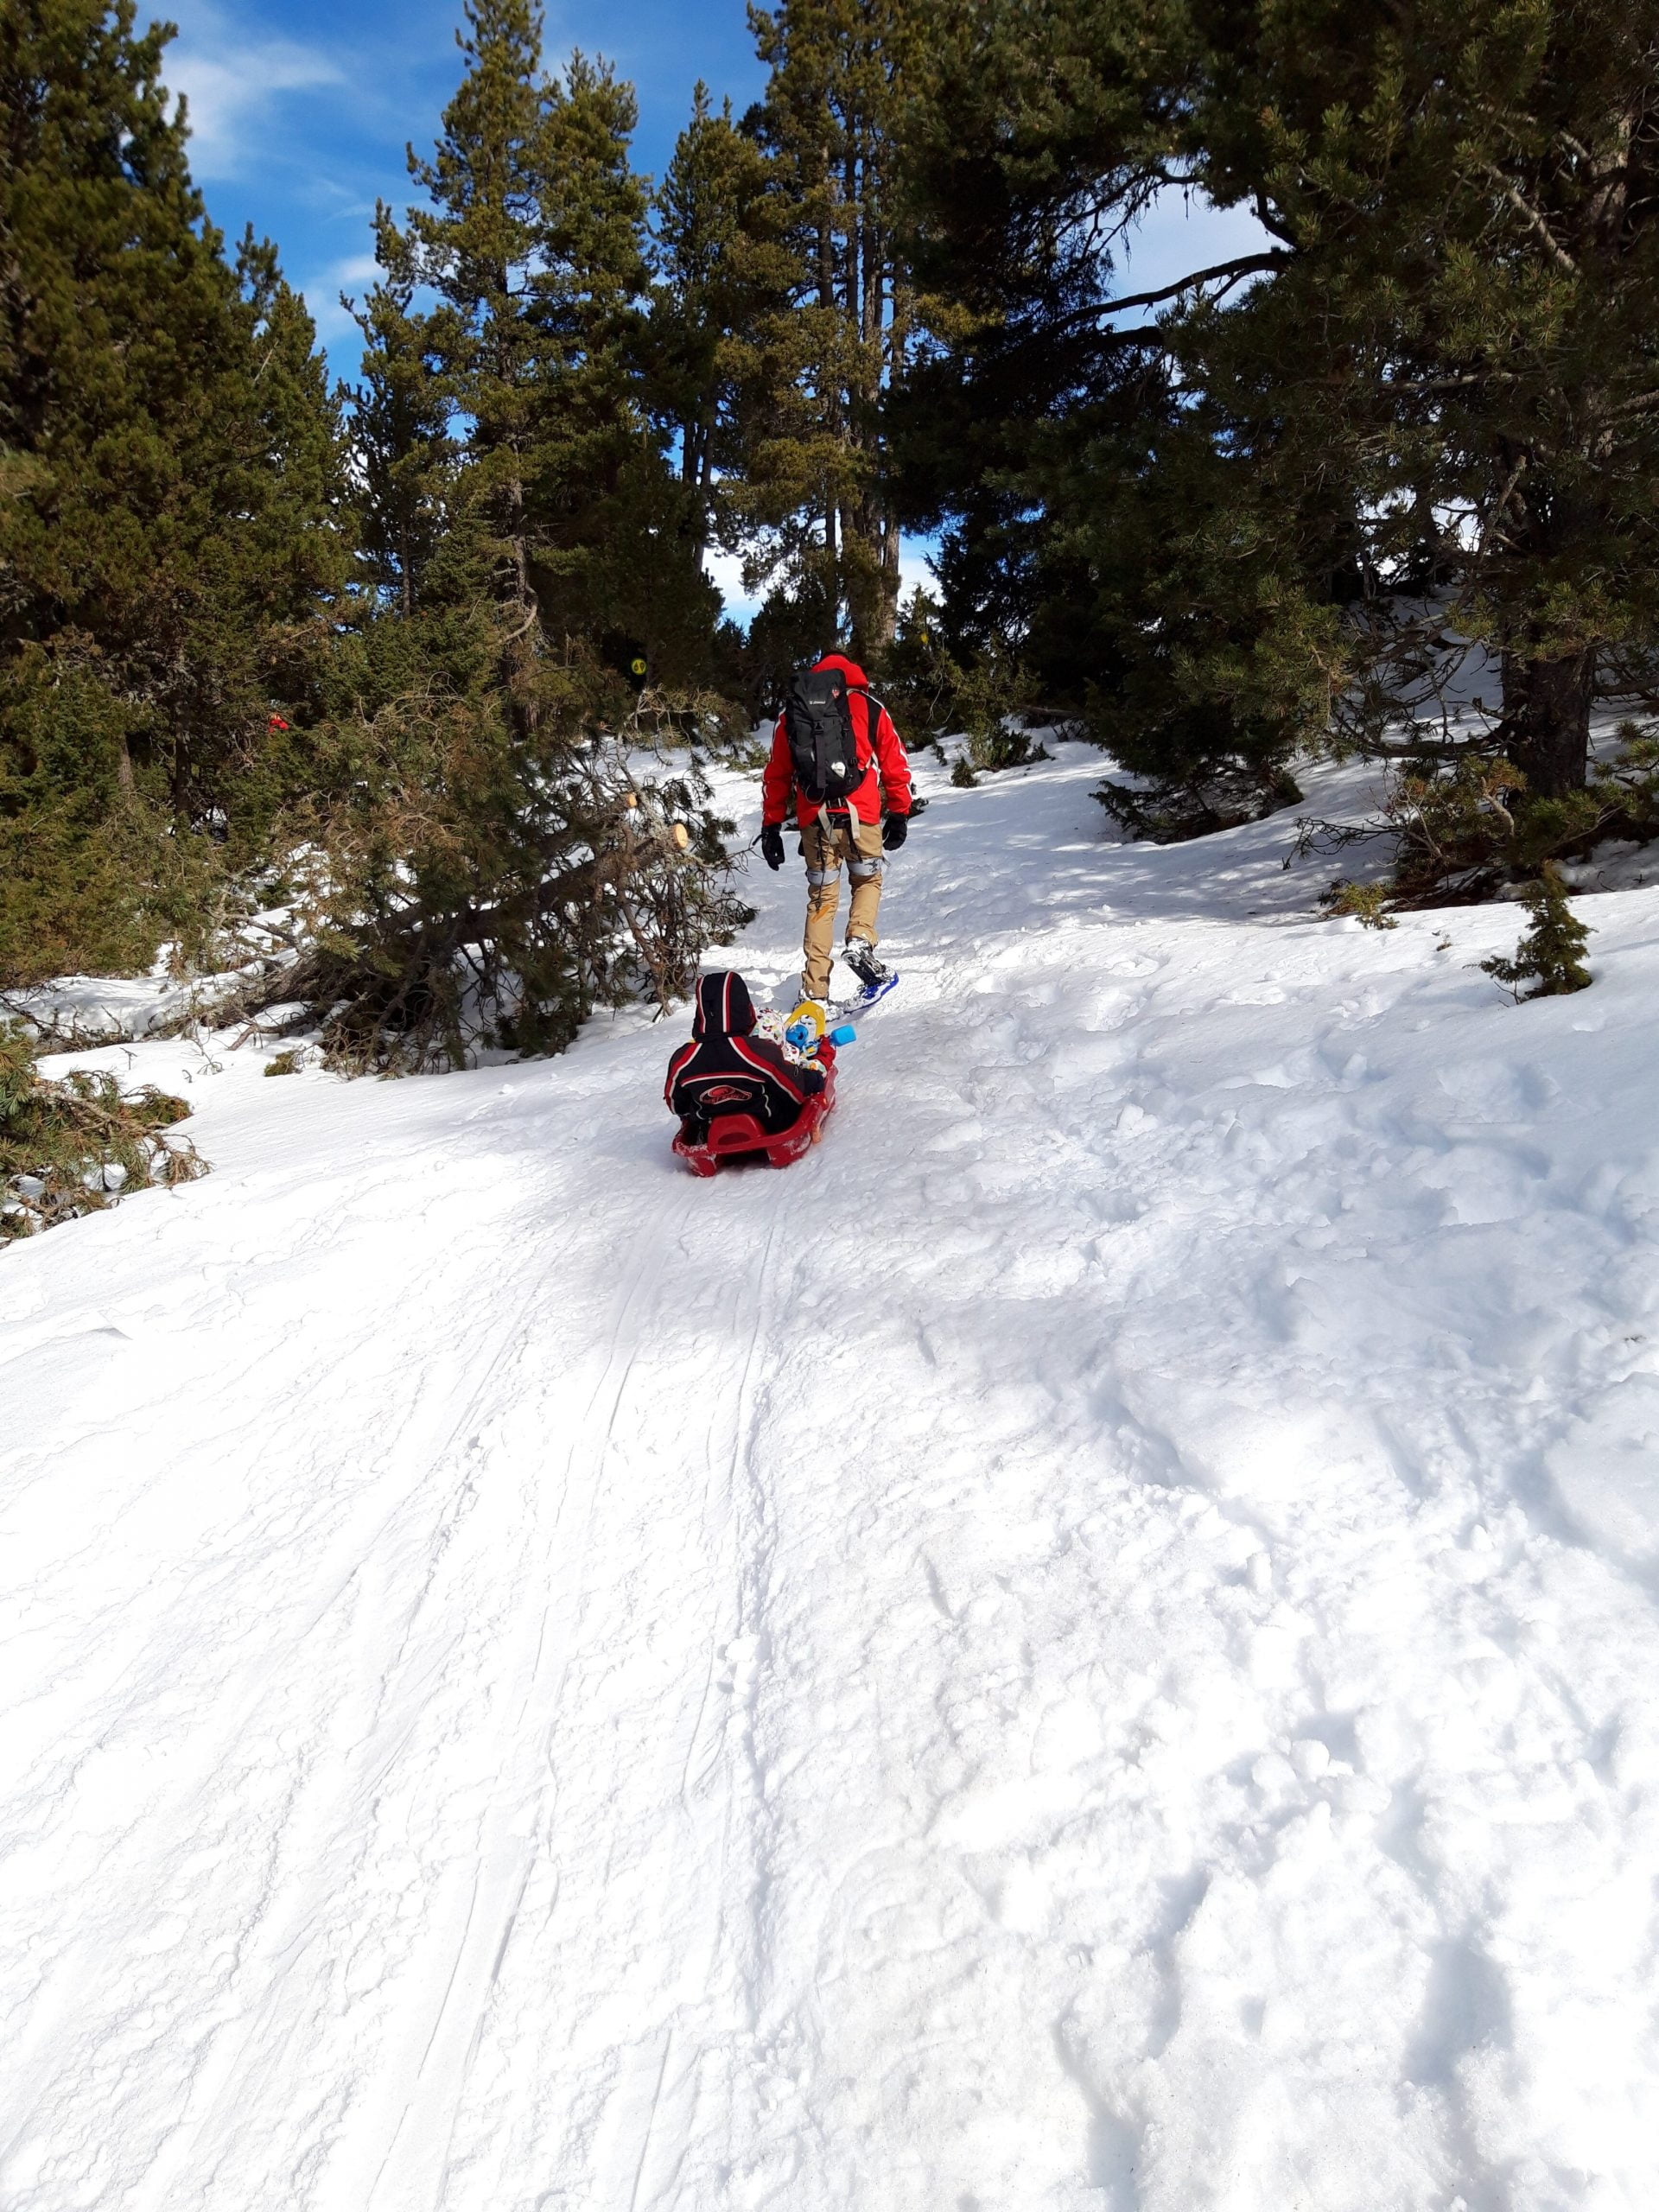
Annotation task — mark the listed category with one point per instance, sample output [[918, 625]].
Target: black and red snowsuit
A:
[[726, 1069]]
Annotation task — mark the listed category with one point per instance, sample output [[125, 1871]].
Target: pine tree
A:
[[723, 280], [473, 243], [818, 465], [532, 237], [399, 430], [171, 531], [603, 484], [1550, 957], [496, 868], [1431, 390], [1472, 243]]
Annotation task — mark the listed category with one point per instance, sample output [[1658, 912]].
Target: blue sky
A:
[[301, 110]]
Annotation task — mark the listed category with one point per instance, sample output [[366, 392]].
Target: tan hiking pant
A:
[[826, 844]]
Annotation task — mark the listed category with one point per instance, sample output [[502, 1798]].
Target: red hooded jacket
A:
[[887, 775]]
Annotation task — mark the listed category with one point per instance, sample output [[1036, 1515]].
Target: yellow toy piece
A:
[[812, 1014]]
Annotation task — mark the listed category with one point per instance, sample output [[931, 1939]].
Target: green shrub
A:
[[1550, 957], [74, 1146], [1367, 903]]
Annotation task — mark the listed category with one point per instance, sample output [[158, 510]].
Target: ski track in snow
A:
[[1091, 1648]]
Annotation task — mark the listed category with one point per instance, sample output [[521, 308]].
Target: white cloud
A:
[[232, 81], [726, 571], [335, 329]]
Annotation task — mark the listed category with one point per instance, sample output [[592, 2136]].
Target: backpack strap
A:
[[873, 710]]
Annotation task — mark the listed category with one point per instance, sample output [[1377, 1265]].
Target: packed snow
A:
[[1090, 1648]]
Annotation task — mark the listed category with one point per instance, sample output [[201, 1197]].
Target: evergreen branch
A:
[[1490, 527], [1534, 221], [1234, 272], [1460, 380], [525, 628], [1270, 222]]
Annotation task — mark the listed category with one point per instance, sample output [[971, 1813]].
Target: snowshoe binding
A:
[[875, 978]]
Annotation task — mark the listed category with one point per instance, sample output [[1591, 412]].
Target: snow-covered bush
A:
[[75, 1146], [459, 884]]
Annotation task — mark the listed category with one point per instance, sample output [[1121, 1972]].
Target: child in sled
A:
[[731, 1069]]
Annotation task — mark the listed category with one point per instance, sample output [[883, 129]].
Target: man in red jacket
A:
[[849, 830]]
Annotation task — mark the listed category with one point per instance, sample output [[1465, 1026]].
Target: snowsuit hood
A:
[[724, 1006]]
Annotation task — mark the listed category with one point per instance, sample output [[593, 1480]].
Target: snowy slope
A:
[[1093, 1645]]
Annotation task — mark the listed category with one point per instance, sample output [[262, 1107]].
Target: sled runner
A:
[[738, 1135]]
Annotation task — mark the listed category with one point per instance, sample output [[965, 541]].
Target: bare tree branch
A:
[[1234, 271], [1534, 221]]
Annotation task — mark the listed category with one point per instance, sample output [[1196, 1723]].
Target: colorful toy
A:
[[806, 1030]]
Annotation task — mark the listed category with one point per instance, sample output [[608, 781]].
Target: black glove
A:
[[772, 845], [894, 831]]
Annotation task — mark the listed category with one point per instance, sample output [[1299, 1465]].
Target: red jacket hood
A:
[[850, 668]]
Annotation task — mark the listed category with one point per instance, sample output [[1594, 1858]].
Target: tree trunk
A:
[[890, 551], [705, 502], [518, 545], [1546, 726], [897, 341]]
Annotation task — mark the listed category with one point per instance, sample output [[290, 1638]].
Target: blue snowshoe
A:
[[875, 978]]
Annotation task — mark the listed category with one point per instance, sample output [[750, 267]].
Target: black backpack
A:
[[822, 745]]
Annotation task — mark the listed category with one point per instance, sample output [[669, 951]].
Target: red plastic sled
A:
[[735, 1136]]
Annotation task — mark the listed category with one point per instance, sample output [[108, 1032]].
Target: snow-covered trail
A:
[[1093, 1645]]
